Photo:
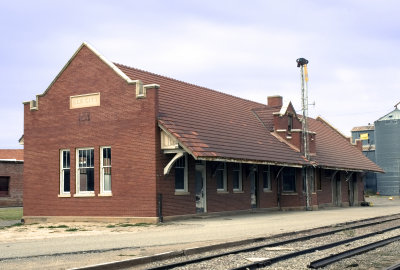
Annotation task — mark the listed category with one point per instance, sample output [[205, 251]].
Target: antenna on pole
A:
[[302, 64]]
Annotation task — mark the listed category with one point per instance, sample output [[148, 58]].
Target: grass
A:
[[11, 213], [14, 225], [71, 229], [133, 225], [58, 227], [128, 225]]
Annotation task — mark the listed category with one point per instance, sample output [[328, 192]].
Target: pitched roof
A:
[[214, 125], [218, 126], [333, 149], [12, 154]]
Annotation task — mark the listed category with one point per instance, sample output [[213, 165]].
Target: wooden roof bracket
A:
[[279, 172], [171, 163], [348, 176]]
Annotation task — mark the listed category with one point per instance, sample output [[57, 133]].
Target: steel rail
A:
[[394, 267], [275, 244], [352, 252], [270, 261]]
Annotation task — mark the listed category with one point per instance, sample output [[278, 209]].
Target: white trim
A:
[[79, 193], [267, 169], [86, 194], [34, 104], [240, 189], [225, 178], [180, 143], [62, 193], [185, 176], [102, 191], [202, 166], [105, 194]]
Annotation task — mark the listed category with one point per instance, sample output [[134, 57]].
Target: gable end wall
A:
[[121, 121]]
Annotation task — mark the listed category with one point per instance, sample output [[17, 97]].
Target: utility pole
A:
[[302, 64]]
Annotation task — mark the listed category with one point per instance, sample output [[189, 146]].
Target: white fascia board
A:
[[177, 139]]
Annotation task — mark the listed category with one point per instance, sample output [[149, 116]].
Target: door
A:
[[200, 184], [336, 187], [254, 187], [353, 190]]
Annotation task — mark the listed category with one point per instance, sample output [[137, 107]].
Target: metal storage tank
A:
[[387, 142], [367, 135]]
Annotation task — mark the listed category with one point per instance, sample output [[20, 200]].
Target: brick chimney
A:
[[275, 101]]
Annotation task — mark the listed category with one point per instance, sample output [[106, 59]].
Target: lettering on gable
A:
[[83, 101]]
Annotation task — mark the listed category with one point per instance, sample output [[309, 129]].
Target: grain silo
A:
[[387, 141]]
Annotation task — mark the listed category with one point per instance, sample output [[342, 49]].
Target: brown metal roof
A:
[[17, 154], [214, 125], [363, 128]]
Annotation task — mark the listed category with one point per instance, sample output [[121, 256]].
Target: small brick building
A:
[[11, 177], [110, 142]]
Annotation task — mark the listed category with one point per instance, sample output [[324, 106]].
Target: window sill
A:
[[289, 193], [222, 192], [104, 194], [84, 195], [267, 190], [238, 191], [181, 193], [64, 195]]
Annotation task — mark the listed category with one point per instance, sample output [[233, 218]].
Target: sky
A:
[[245, 48]]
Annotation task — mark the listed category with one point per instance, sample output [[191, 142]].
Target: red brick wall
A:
[[13, 170], [268, 198], [123, 122], [295, 199], [176, 204], [216, 201], [325, 194]]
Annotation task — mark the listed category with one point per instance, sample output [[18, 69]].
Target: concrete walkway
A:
[[191, 233], [197, 232]]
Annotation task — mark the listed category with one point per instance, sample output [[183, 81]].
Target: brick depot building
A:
[[11, 177], [111, 142]]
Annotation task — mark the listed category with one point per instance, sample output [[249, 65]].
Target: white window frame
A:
[[77, 174], [224, 189], [64, 193], [240, 188], [185, 175], [102, 166], [267, 169]]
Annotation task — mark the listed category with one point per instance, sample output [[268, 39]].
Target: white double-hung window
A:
[[65, 173], [221, 177], [85, 171], [105, 170], [237, 177], [181, 174]]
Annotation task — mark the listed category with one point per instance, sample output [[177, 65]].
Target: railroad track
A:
[[264, 254]]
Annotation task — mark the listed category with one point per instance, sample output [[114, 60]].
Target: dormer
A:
[[288, 125]]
